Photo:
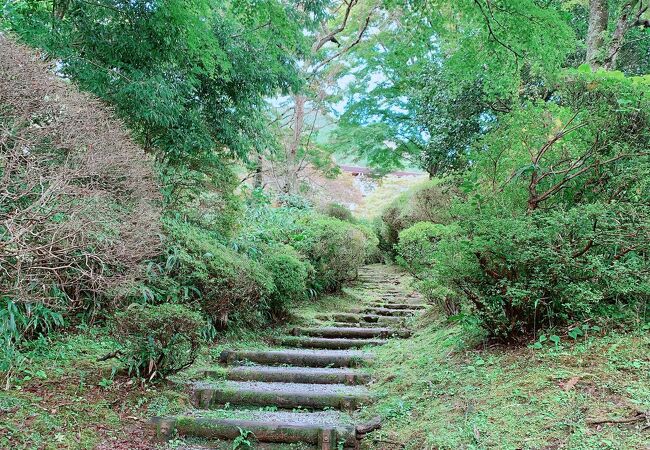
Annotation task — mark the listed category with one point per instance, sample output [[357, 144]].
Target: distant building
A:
[[361, 171]]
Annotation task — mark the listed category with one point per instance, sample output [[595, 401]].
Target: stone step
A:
[[353, 317], [324, 429], [365, 325], [282, 395], [394, 312], [327, 343], [307, 358], [317, 375], [350, 332], [389, 305]]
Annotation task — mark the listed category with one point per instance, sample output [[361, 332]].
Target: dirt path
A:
[[304, 392]]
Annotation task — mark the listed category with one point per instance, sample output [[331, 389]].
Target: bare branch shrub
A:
[[78, 198]]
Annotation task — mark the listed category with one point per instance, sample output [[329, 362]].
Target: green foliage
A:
[[20, 322], [265, 225], [416, 246], [553, 227], [428, 202], [424, 100], [200, 268], [338, 211], [159, 340], [335, 248], [372, 251], [179, 72], [289, 275]]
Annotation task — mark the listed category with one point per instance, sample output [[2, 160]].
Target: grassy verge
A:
[[438, 391]]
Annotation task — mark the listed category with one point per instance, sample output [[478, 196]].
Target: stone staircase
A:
[[303, 395]]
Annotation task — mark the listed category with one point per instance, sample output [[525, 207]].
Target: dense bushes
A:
[[157, 341], [200, 268], [289, 275], [280, 256], [428, 202], [417, 244], [79, 209], [555, 225], [335, 248], [338, 211], [372, 251]]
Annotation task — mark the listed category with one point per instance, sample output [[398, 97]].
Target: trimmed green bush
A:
[[158, 341], [289, 277], [416, 246], [427, 202], [335, 248], [224, 282], [338, 211], [371, 247]]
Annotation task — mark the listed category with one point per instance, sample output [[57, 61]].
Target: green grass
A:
[[61, 397], [441, 390]]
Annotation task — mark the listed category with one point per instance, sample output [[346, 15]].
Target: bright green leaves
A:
[[502, 42], [189, 77]]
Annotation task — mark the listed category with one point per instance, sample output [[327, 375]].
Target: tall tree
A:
[[434, 76], [302, 114]]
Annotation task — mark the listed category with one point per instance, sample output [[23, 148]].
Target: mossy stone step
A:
[[362, 325], [325, 429], [389, 305], [327, 343], [350, 332], [354, 317], [316, 375], [281, 395], [302, 357], [395, 312]]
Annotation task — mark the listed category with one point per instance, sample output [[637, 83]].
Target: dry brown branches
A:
[[78, 198]]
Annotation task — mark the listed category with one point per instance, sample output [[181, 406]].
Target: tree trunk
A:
[[258, 180], [598, 16], [623, 24], [298, 124]]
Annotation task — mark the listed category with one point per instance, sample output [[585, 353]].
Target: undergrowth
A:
[[442, 389]]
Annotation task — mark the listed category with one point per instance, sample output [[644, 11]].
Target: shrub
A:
[[80, 212], [200, 268], [335, 248], [338, 211], [371, 247], [289, 278], [267, 226], [158, 341], [416, 246], [555, 228], [440, 295], [537, 277], [427, 202]]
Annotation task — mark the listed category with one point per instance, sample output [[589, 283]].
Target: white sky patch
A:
[[390, 144]]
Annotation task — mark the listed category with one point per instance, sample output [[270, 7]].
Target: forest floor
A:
[[443, 388]]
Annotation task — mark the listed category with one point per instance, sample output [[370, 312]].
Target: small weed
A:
[[242, 441]]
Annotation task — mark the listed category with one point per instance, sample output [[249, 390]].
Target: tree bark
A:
[[626, 20], [598, 17], [258, 180], [298, 125]]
